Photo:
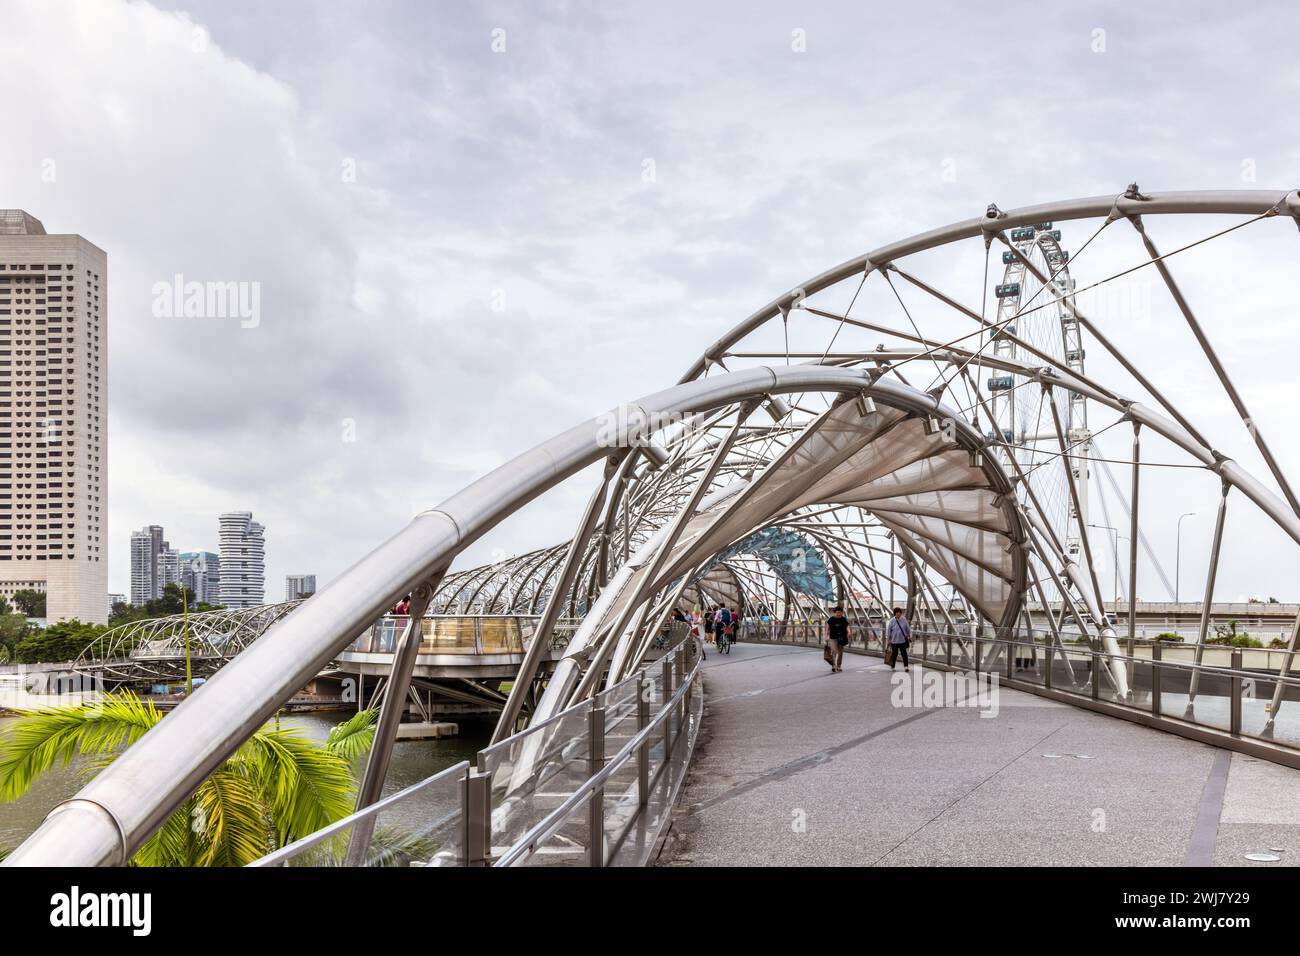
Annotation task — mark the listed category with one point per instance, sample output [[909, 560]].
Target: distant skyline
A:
[[441, 253]]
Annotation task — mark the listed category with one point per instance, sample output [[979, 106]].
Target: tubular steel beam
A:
[[1233, 395], [541, 637]]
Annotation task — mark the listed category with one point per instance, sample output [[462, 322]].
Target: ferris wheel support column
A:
[[1072, 484], [1116, 668]]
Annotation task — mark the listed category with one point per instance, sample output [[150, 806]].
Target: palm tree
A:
[[278, 787]]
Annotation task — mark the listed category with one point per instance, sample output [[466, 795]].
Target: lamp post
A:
[[1114, 552], [1178, 557]]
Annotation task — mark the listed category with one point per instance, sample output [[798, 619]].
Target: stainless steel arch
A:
[[120, 807], [1249, 202]]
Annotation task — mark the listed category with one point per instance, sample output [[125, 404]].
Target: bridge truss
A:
[[853, 423]]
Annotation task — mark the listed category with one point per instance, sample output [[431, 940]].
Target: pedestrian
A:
[[837, 636], [708, 624], [899, 635]]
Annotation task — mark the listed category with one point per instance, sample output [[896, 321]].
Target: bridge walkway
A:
[[798, 766]]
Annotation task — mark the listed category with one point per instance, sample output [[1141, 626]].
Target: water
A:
[[412, 761]]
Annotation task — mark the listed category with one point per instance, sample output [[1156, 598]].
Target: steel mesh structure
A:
[[946, 467]]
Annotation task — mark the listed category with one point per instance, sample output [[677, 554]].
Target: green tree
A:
[[276, 788], [13, 628], [31, 603], [171, 602], [59, 642]]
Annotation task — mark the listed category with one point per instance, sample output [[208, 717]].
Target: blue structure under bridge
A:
[[791, 556]]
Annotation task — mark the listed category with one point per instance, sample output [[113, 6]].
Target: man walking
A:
[[837, 635], [899, 635]]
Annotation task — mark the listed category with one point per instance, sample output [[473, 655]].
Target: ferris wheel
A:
[[1036, 318]]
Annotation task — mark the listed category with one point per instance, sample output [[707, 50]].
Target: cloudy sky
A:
[[447, 211]]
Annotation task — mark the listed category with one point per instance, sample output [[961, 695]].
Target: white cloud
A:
[[515, 179]]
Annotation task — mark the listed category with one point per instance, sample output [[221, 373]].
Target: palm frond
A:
[[352, 739], [231, 819], [305, 786], [175, 843], [41, 738]]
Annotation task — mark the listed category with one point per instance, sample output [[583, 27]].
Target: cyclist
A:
[[724, 624]]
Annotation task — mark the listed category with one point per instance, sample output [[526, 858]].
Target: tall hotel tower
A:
[[53, 418], [243, 560]]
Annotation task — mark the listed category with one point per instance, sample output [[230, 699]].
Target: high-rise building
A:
[[147, 548], [298, 586], [169, 569], [243, 560], [201, 575], [53, 420]]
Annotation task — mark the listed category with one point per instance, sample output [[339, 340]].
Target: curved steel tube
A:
[[1246, 202], [126, 802], [134, 795]]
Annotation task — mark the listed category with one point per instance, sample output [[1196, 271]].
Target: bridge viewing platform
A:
[[799, 766]]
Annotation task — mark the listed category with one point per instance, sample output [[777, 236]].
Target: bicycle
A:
[[725, 641]]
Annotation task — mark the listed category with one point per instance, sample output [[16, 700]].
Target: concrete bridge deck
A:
[[798, 766]]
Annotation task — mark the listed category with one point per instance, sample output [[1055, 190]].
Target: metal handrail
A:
[[294, 849], [120, 807], [464, 767], [567, 712], [1049, 644], [548, 825], [1086, 692]]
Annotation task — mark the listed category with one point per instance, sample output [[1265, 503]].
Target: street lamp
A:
[[1114, 550], [1178, 557]]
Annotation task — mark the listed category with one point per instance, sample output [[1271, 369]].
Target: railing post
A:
[[476, 814], [1049, 650], [1009, 649], [666, 695], [1235, 688], [681, 705], [1155, 678], [596, 805], [1096, 668], [976, 644], [643, 753]]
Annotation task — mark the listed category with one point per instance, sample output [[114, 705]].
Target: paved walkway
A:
[[798, 766]]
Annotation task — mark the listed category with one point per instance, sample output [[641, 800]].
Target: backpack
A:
[[725, 615]]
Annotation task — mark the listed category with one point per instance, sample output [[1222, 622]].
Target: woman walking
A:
[[899, 635]]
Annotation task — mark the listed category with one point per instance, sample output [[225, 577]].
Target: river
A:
[[413, 760]]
